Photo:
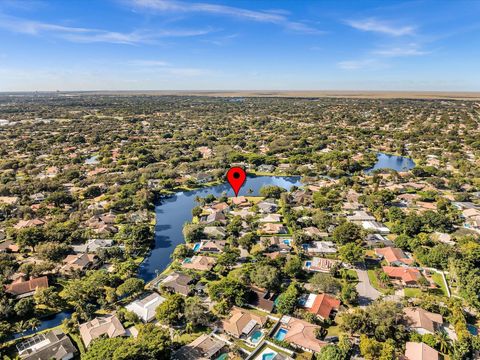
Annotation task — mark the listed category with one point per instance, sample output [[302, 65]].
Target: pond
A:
[[46, 323], [173, 211], [398, 163]]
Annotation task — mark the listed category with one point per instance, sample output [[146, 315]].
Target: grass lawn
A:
[[375, 283], [78, 342], [412, 292], [438, 279], [333, 331]]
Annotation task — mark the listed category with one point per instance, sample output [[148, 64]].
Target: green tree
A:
[[130, 287], [266, 276], [351, 253], [347, 232], [287, 300], [171, 310]]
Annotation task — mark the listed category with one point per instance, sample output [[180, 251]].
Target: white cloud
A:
[[91, 35], [278, 17], [374, 25], [400, 51], [356, 64]]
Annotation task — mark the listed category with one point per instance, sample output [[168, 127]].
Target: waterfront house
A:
[[178, 283], [199, 263], [79, 262], [267, 206], [214, 232], [92, 246], [212, 246]]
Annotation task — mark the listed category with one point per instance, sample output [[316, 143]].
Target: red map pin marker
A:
[[236, 177]]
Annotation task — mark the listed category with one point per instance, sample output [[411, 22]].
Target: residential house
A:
[[419, 351], [314, 232], [22, 224], [178, 283], [242, 322], [276, 243], [393, 256], [321, 305], [376, 240], [223, 206], [359, 216], [200, 263], [8, 246], [406, 276], [300, 334], [205, 347], [21, 288], [271, 218], [261, 299], [9, 200], [92, 246], [78, 262], [102, 224], [54, 344], [422, 321], [375, 226], [214, 232], [301, 197], [107, 325], [241, 201], [320, 264], [272, 228], [243, 213], [320, 247], [266, 168], [145, 306], [203, 178], [267, 206], [212, 246]]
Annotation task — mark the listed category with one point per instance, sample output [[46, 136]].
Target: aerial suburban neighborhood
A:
[[123, 240]]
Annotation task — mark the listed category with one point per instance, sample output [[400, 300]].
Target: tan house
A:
[[200, 263], [271, 228], [422, 321], [21, 287], [78, 262], [300, 334], [22, 224], [242, 322], [205, 347], [419, 351], [393, 256], [108, 325]]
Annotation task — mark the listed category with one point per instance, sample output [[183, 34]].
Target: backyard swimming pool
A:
[[255, 337], [197, 246], [280, 335]]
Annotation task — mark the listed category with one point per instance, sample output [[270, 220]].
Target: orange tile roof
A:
[[405, 274], [323, 305]]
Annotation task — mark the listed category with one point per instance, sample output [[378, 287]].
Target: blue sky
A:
[[239, 45]]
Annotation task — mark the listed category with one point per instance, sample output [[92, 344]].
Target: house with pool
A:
[[246, 325], [299, 334]]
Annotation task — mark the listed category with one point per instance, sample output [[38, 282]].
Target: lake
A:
[[173, 211], [398, 163]]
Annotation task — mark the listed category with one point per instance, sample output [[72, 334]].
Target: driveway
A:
[[366, 292]]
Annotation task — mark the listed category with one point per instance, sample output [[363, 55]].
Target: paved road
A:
[[367, 293]]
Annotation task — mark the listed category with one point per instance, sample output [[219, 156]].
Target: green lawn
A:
[[438, 279], [333, 331], [375, 283], [412, 292]]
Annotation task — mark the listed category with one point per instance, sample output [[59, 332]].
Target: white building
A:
[[145, 306]]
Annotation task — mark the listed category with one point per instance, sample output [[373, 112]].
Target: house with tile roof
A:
[[420, 351], [261, 299], [393, 256], [242, 322], [321, 305], [300, 334], [200, 263], [406, 276], [205, 347], [54, 344], [21, 287], [422, 321], [107, 325]]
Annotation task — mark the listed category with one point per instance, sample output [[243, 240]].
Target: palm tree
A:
[[33, 323], [443, 341]]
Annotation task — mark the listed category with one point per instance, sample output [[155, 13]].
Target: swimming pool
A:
[[255, 337], [287, 242], [197, 246], [187, 260], [308, 264], [280, 335], [268, 356], [222, 357]]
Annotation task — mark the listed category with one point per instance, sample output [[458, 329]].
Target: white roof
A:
[[145, 306]]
